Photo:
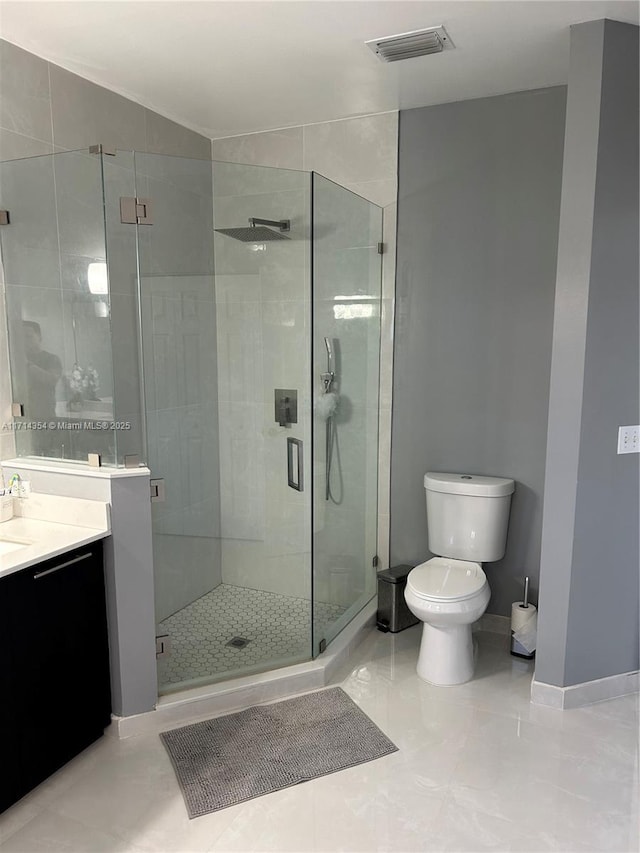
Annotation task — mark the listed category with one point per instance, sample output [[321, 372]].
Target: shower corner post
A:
[[312, 555]]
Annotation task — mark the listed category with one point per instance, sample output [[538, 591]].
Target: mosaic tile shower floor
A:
[[277, 627]]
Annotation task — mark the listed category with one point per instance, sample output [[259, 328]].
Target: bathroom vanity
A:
[[54, 651]]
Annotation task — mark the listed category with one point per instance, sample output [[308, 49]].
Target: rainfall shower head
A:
[[257, 232]]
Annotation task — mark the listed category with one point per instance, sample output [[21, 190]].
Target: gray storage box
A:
[[393, 613]]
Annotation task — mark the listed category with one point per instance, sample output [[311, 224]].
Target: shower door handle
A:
[[295, 474]]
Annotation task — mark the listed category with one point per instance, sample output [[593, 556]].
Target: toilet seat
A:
[[445, 580]]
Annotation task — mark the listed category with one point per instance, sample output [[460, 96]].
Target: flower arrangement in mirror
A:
[[83, 383]]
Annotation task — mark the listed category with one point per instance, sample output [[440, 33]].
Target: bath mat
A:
[[232, 759]]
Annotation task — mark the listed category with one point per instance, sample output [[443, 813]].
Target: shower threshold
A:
[[213, 700]]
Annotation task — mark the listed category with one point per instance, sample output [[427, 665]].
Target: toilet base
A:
[[446, 654]]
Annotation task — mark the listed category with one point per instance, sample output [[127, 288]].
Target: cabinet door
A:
[[62, 686], [13, 590]]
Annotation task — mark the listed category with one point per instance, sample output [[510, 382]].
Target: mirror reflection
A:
[[62, 372]]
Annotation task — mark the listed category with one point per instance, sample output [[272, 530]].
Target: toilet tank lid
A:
[[468, 484]]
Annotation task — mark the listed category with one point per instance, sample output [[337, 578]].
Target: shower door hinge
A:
[[102, 149], [375, 561], [322, 645], [163, 646], [381, 248], [157, 489], [135, 211], [5, 219]]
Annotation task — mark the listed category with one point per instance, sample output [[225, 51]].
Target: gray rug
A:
[[231, 759]]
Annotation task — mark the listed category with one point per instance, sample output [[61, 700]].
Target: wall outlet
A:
[[629, 439]]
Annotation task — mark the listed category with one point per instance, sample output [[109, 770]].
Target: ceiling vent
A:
[[410, 45]]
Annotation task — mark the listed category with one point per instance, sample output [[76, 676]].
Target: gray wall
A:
[[478, 208], [588, 625]]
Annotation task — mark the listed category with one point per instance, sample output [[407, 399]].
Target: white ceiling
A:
[[225, 68]]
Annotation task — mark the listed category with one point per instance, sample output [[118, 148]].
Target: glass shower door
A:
[[264, 356], [347, 280]]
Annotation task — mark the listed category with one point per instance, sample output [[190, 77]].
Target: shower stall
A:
[[219, 323]]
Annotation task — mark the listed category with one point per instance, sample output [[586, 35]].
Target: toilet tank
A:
[[468, 515]]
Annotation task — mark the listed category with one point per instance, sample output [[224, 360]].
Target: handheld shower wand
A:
[[330, 399], [329, 376]]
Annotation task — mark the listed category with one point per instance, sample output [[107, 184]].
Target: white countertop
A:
[[50, 534], [79, 469]]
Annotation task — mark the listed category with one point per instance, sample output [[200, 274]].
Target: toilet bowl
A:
[[467, 519], [447, 596]]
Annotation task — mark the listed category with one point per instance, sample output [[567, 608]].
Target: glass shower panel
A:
[[178, 344], [58, 307], [346, 354]]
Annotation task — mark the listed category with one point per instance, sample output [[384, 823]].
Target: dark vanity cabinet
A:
[[54, 667]]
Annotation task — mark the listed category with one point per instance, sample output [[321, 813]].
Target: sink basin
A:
[[7, 546]]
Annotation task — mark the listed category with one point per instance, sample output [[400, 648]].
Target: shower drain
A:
[[238, 642]]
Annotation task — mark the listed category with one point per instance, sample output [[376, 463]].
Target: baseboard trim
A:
[[587, 693], [201, 703]]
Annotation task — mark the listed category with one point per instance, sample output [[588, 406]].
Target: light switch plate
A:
[[629, 439]]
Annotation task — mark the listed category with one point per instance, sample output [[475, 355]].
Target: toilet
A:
[[467, 520]]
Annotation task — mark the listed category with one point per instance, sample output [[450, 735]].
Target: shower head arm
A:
[[282, 224]]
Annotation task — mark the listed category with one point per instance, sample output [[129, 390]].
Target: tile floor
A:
[[277, 627], [478, 768]]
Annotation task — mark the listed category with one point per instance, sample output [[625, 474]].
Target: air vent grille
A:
[[410, 45]]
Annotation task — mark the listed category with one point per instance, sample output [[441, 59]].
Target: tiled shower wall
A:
[[46, 109], [360, 154]]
